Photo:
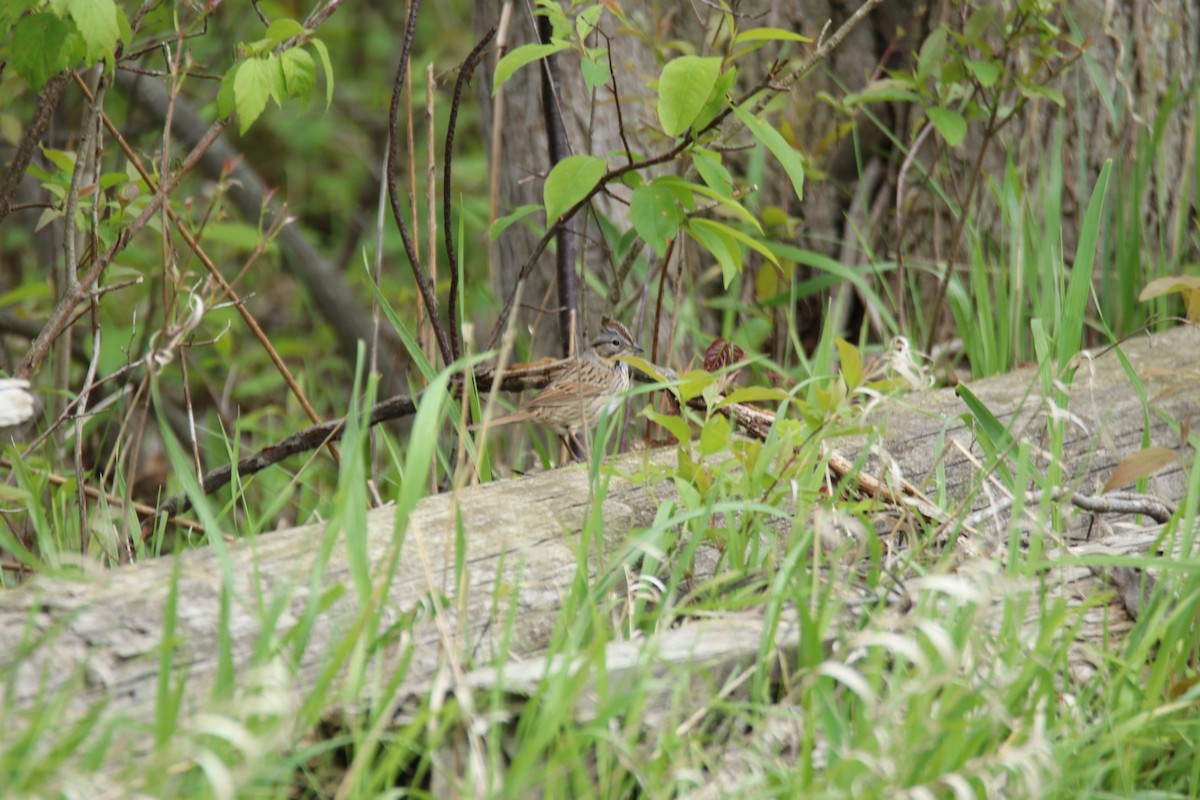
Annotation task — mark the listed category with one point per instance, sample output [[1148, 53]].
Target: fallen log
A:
[[100, 639]]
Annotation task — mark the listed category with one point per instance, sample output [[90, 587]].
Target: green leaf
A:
[[681, 187], [851, 362], [595, 70], [978, 23], [712, 171], [676, 426], [587, 21], [251, 88], [96, 21], [693, 383], [281, 30], [682, 190], [655, 216], [768, 35], [723, 247], [1079, 287], [788, 158], [225, 95], [503, 223], [950, 124], [683, 89], [745, 239], [63, 159], [560, 26], [15, 9], [40, 48], [886, 90], [274, 64], [714, 436], [238, 235], [717, 99], [986, 71], [571, 180], [519, 57], [933, 51], [299, 72], [1035, 92], [642, 365], [47, 216], [323, 53]]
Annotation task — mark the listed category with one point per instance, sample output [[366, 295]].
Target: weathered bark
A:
[[99, 639]]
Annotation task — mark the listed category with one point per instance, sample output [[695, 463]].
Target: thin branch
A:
[[112, 499], [431, 225], [810, 62], [1156, 508], [612, 75], [464, 75], [47, 103], [158, 200], [422, 280], [534, 376], [317, 17], [64, 310], [496, 139], [556, 143], [424, 338], [301, 441]]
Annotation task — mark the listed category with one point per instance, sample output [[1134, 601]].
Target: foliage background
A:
[[995, 182]]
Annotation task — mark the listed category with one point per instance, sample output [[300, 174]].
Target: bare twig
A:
[[1156, 508], [317, 17], [65, 308], [824, 48], [160, 193], [422, 280], [47, 103], [431, 226], [558, 148], [497, 137], [464, 75], [612, 80], [111, 499], [309, 438], [424, 336]]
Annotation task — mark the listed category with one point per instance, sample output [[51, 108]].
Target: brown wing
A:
[[567, 390]]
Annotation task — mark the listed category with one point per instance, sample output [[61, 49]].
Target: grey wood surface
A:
[[99, 638]]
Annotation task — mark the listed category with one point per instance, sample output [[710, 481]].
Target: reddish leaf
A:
[[721, 354]]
